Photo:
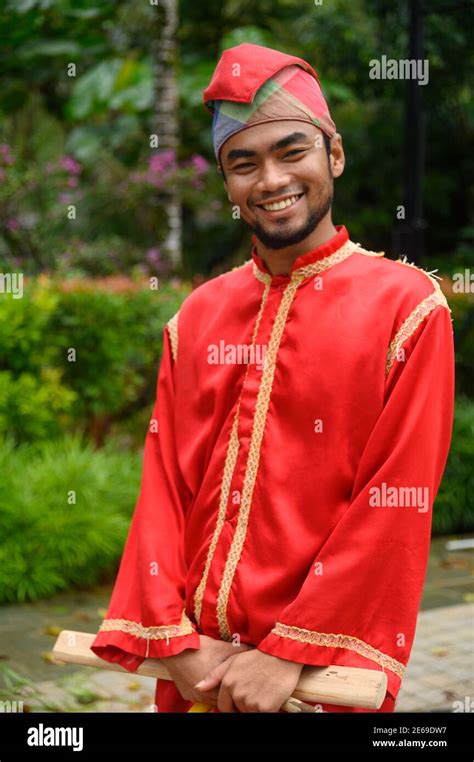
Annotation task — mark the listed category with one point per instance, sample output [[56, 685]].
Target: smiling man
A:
[[272, 528], [292, 222]]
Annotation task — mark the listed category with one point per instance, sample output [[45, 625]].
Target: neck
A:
[[280, 261]]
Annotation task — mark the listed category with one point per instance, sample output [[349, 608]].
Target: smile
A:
[[279, 206]]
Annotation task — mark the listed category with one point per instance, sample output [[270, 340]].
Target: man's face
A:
[[278, 161]]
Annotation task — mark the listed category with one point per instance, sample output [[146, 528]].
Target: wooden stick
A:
[[342, 686]]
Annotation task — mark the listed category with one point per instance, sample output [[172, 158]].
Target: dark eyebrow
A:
[[244, 153]]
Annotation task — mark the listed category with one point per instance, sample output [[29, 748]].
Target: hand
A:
[[253, 681], [189, 666]]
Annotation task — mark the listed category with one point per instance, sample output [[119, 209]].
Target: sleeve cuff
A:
[[128, 643], [327, 655]]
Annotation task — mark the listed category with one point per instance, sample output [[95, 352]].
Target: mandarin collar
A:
[[314, 255]]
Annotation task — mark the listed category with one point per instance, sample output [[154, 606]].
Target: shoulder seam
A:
[[360, 250], [429, 274]]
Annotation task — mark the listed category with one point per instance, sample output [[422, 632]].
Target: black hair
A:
[[327, 144]]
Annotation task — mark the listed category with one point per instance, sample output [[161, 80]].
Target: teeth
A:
[[280, 204]]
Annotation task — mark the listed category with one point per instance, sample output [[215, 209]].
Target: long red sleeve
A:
[[359, 602], [146, 615]]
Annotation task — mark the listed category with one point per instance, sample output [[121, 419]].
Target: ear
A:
[[337, 157]]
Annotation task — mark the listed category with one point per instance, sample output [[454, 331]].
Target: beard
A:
[[280, 239]]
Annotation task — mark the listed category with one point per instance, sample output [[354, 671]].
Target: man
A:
[[300, 431]]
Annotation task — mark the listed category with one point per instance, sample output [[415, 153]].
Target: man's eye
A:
[[295, 151]]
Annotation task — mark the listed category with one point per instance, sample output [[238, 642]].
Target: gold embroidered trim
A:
[[431, 275], [345, 251], [417, 316], [368, 253], [173, 334], [161, 632], [229, 466], [348, 642], [261, 408], [348, 248], [410, 325], [261, 276]]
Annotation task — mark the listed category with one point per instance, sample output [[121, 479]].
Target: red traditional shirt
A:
[[304, 422]]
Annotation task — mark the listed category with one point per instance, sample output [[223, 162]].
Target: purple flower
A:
[[153, 255], [199, 163], [5, 154], [70, 165], [12, 224], [155, 260], [162, 161]]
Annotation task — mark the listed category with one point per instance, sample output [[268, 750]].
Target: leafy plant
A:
[[65, 511]]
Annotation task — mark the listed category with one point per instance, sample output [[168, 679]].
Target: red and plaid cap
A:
[[253, 84]]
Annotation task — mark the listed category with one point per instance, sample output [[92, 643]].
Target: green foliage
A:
[[117, 338], [34, 406], [34, 402], [105, 114], [46, 389], [60, 215], [462, 306], [454, 506], [114, 84], [47, 542]]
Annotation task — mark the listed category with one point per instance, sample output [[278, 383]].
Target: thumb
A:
[[213, 678]]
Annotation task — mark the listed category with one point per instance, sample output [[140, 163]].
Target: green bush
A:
[[34, 407], [34, 403], [454, 506], [117, 339], [47, 542], [115, 329]]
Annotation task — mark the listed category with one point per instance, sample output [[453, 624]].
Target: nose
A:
[[273, 178]]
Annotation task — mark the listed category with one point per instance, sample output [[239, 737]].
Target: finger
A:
[[207, 697], [240, 707], [224, 701], [213, 678]]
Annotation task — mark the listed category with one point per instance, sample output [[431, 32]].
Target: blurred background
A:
[[92, 207]]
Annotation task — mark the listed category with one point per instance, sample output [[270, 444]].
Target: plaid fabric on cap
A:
[[292, 93]]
